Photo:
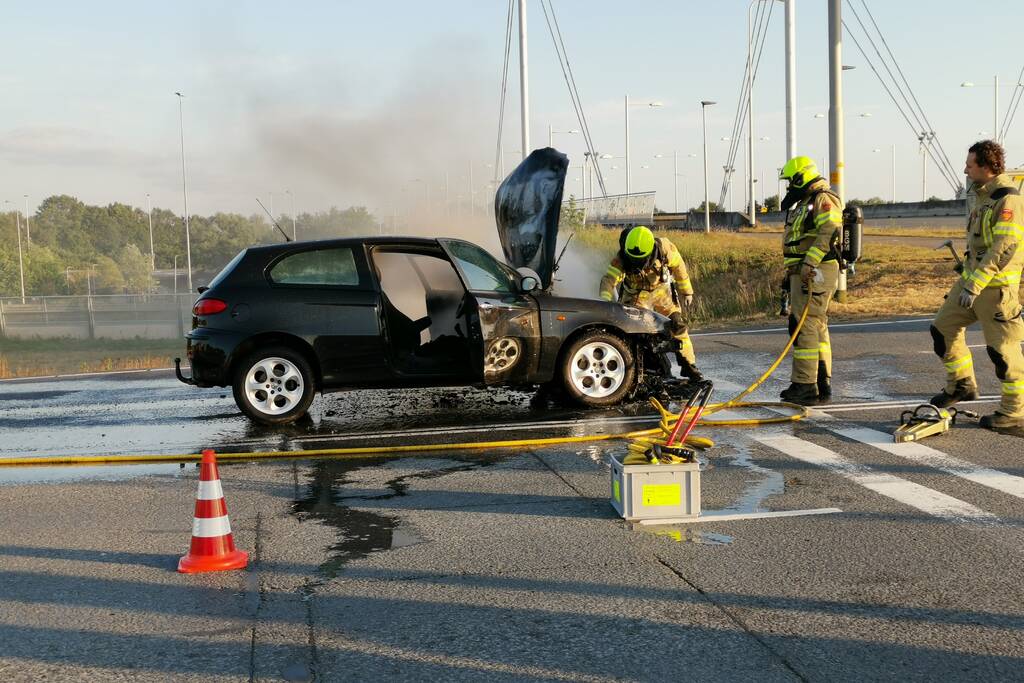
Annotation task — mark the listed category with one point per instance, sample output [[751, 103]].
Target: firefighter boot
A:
[[688, 370], [997, 421], [801, 394], [966, 390], [824, 384]]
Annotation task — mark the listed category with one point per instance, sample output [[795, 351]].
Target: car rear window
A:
[[226, 270], [320, 267]]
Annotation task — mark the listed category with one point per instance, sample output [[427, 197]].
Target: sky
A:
[[319, 104]]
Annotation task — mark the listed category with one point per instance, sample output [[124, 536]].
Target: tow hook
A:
[[181, 377]]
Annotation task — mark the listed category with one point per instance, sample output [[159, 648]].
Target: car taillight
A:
[[209, 307]]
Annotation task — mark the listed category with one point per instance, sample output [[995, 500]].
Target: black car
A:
[[281, 322]]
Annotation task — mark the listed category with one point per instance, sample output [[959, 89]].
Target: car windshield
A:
[[482, 271]]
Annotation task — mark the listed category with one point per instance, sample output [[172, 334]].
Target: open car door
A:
[[504, 328]]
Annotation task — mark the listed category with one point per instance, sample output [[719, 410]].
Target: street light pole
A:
[[292, 197], [21, 262], [790, 79], [627, 144], [675, 181], [995, 107], [184, 191], [750, 117], [704, 104], [152, 254], [524, 86]]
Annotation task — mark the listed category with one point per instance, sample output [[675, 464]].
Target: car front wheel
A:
[[598, 369], [274, 385]]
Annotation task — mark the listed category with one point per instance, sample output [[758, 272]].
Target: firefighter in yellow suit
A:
[[988, 291], [650, 273], [814, 221]]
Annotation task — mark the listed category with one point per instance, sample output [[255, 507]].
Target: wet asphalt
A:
[[510, 564]]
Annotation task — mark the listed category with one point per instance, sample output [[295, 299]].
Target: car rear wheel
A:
[[598, 369], [274, 385]]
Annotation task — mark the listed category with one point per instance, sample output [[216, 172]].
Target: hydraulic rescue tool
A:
[[927, 420]]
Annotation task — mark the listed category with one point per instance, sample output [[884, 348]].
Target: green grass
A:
[[36, 357]]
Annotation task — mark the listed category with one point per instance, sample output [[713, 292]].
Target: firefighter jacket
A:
[[813, 228], [653, 282], [995, 231]]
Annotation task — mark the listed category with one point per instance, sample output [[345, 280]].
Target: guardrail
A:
[[114, 316]]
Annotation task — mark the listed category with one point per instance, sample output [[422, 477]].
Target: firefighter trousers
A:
[[812, 345], [998, 310]]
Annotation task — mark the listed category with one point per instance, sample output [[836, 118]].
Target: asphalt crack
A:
[[735, 620]]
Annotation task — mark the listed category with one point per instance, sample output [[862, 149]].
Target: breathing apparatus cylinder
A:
[[849, 247]]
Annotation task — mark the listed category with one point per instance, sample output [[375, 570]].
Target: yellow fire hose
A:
[[640, 441]]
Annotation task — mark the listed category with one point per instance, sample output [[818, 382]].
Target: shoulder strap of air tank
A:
[[1004, 191]]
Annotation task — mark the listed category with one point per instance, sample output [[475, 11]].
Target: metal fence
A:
[[620, 209], [115, 316]]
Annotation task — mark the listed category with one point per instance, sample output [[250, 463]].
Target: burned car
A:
[[281, 322]]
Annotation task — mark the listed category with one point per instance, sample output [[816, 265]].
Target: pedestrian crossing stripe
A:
[[909, 493]]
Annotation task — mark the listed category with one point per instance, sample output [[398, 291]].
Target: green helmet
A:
[[639, 243], [799, 171]]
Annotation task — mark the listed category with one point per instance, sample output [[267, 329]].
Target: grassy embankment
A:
[[37, 357], [737, 277]]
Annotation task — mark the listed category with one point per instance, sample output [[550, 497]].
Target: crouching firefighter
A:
[[987, 292], [650, 273], [811, 255]]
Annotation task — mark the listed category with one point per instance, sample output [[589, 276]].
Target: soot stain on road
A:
[[362, 532]]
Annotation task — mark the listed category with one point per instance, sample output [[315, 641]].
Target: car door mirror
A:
[[529, 283], [528, 280]]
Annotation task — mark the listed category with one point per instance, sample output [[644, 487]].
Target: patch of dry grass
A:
[[42, 357]]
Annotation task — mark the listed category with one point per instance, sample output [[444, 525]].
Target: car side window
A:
[[482, 271], [330, 267]]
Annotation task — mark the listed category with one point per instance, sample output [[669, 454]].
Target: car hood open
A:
[[527, 206]]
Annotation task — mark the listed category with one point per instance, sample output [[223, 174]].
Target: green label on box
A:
[[662, 495], [615, 491]]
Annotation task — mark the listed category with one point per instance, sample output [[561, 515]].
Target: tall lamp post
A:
[[292, 197], [995, 101], [552, 132], [152, 254], [184, 192], [704, 104], [628, 105], [21, 262]]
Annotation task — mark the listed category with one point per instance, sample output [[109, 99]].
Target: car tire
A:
[[274, 385], [597, 369]]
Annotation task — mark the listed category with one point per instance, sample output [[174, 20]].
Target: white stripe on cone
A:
[[210, 490], [210, 527]]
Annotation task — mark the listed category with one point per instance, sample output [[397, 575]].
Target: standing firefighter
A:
[[810, 253], [987, 291], [650, 273]]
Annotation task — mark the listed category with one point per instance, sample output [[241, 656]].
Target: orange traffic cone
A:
[[212, 547]]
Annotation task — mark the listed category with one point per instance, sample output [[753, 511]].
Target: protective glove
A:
[[688, 300], [678, 322], [967, 299], [806, 273]]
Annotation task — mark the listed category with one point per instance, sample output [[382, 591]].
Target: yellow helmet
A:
[[799, 171], [639, 243]]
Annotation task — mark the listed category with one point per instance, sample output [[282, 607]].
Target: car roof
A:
[[370, 240]]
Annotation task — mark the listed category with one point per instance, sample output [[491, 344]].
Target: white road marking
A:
[[718, 516], [994, 479], [852, 407], [901, 490], [830, 327]]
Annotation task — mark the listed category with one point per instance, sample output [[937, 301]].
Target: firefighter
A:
[[987, 291], [810, 254], [649, 273]]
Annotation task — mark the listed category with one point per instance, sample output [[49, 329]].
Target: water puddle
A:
[[52, 474], [763, 484], [362, 532], [691, 535]]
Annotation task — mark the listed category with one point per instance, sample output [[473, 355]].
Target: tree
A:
[[108, 278], [44, 274], [713, 205], [772, 202], [873, 201], [572, 216], [135, 269]]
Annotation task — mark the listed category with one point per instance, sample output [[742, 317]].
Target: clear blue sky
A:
[[372, 103]]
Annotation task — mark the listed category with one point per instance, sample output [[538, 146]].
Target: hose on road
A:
[[639, 439]]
